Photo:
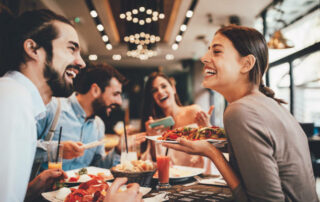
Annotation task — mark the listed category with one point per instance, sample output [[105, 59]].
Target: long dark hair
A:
[[249, 41], [36, 25], [149, 106]]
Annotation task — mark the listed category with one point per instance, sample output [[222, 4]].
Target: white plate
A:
[[52, 196], [91, 170], [216, 142], [182, 172]]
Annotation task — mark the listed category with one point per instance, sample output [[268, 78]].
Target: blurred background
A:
[[141, 36]]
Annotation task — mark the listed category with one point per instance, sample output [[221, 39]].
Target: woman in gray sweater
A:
[[269, 154]]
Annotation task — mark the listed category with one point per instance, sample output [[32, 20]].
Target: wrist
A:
[[211, 152]]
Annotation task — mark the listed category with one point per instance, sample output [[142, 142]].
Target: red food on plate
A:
[[212, 132], [74, 179], [93, 190]]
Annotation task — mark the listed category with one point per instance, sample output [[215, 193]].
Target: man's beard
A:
[[57, 83], [98, 106]]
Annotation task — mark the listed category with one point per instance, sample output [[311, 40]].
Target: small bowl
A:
[[143, 178]]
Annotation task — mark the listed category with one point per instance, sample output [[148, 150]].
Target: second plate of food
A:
[[178, 173], [77, 176], [219, 142]]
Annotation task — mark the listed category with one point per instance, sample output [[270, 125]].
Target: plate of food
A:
[[213, 134], [181, 172], [93, 190], [137, 171], [77, 176]]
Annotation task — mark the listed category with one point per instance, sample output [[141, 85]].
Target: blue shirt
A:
[[78, 128], [20, 107]]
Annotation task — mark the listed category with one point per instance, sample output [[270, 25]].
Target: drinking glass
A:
[[132, 149], [163, 164], [54, 158]]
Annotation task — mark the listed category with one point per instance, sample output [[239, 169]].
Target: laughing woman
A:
[[269, 154], [161, 100]]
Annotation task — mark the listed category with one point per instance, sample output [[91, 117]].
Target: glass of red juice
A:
[[163, 164]]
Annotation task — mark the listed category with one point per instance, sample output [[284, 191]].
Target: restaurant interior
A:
[[138, 37]]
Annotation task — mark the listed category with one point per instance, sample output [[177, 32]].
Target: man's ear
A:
[[31, 49], [248, 63], [95, 90]]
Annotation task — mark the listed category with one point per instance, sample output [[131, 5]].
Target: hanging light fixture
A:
[[142, 26], [183, 26], [277, 41], [142, 11]]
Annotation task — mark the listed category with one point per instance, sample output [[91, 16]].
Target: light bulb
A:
[[175, 46], [93, 13], [189, 13]]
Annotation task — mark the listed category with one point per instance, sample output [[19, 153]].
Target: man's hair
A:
[[36, 25], [101, 74]]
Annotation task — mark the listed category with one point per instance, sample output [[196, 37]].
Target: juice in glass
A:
[[53, 165], [55, 156], [163, 163]]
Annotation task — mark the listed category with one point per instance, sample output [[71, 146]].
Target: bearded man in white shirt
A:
[[41, 58]]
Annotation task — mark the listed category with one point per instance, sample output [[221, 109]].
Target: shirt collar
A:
[[38, 104], [77, 108]]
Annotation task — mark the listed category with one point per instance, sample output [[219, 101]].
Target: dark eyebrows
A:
[[215, 45], [75, 44]]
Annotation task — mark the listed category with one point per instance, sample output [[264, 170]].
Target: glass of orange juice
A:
[[163, 165], [55, 157]]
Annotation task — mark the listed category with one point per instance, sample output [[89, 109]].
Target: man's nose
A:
[[80, 62], [119, 101]]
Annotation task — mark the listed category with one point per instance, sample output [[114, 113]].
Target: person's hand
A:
[[158, 130], [132, 193], [199, 147], [44, 181], [72, 149], [140, 137], [203, 119]]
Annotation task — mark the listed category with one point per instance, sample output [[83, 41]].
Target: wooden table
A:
[[190, 190]]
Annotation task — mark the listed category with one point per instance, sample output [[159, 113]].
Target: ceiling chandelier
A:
[[142, 15], [141, 53], [142, 38], [142, 26]]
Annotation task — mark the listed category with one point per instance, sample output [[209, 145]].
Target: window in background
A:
[[306, 71], [307, 88], [258, 24], [280, 82], [302, 34]]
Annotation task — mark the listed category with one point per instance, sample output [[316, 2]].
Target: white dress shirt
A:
[[20, 106]]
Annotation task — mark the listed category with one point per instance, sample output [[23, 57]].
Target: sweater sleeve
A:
[[253, 150]]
